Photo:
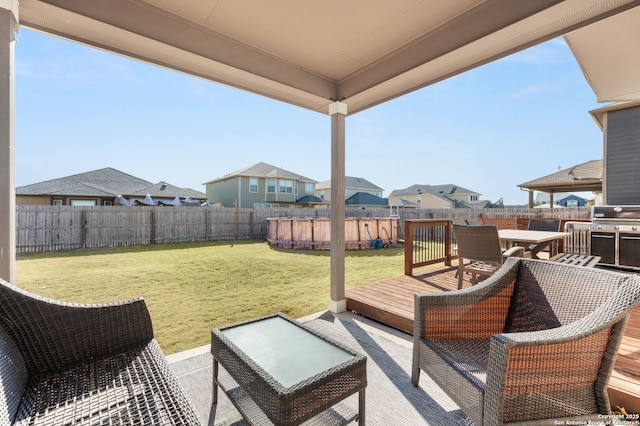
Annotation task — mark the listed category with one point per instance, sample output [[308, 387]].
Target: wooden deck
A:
[[391, 302]]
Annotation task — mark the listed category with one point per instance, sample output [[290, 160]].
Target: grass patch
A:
[[193, 288]]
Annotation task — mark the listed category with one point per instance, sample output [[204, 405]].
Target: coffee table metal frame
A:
[[297, 403]]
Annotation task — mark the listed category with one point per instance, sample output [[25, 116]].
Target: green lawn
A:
[[192, 288]]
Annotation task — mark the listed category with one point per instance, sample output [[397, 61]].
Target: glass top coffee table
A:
[[286, 373]]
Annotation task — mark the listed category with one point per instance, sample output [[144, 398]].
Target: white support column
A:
[[338, 113], [8, 25]]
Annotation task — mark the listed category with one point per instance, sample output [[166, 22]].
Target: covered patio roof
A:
[[333, 57], [312, 53]]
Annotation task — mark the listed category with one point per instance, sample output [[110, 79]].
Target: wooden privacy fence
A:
[[45, 228], [48, 228]]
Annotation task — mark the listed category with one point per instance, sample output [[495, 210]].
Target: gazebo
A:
[[333, 57], [583, 177]]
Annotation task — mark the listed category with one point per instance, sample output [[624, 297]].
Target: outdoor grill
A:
[[615, 235]]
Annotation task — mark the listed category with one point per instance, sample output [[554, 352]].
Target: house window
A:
[[419, 200], [473, 198], [108, 203], [83, 202], [286, 186], [57, 202], [308, 188], [271, 185], [253, 184], [572, 203], [322, 195]]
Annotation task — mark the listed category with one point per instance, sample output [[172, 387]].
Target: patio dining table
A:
[[539, 239]]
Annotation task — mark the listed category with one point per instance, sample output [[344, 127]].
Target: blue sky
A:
[[488, 130]]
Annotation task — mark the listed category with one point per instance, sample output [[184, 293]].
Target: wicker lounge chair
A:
[[480, 245], [71, 364], [535, 340]]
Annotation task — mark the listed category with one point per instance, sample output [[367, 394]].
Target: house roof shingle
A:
[[106, 182], [451, 189], [311, 199], [582, 177], [365, 198], [419, 189], [263, 170], [352, 182]]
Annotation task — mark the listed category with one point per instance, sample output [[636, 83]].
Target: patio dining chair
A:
[[552, 225], [533, 343], [480, 246]]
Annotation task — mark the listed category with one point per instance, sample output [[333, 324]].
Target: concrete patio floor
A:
[[391, 399]]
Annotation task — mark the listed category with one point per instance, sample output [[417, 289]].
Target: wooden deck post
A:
[[8, 22], [448, 234], [338, 113], [408, 247]]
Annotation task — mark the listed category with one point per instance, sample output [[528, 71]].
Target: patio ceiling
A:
[[609, 53], [311, 53]]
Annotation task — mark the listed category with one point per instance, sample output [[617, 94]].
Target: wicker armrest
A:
[[474, 312], [561, 362], [52, 334], [515, 251]]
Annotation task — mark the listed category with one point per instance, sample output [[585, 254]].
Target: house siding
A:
[[431, 202], [248, 199], [622, 149], [224, 192], [237, 188], [426, 201], [33, 200], [463, 197], [47, 200]]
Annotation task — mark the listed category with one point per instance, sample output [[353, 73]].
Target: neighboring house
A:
[[352, 186], [262, 185], [106, 187], [561, 199], [436, 197]]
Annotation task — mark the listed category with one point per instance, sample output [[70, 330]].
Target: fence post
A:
[[83, 232], [408, 248], [206, 223], [447, 243], [152, 221], [236, 218]]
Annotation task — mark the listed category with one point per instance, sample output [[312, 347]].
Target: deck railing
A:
[[579, 241], [426, 242], [431, 241]]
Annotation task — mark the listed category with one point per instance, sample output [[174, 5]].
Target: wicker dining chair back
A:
[[478, 243], [544, 225], [480, 246], [552, 225], [536, 340], [76, 364]]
